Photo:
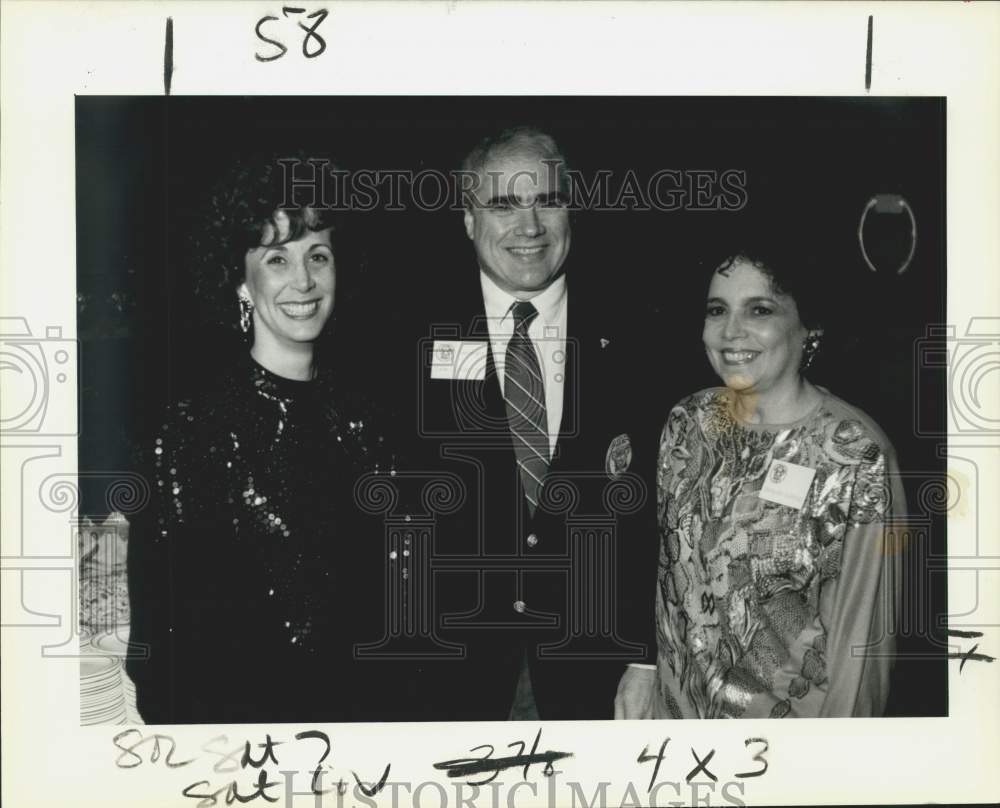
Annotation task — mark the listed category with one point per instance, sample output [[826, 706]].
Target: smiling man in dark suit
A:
[[539, 579]]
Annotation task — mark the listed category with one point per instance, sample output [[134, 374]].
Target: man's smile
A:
[[527, 252]]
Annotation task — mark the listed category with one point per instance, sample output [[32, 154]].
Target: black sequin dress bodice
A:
[[241, 575]]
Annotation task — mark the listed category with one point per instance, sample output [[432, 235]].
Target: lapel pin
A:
[[619, 456]]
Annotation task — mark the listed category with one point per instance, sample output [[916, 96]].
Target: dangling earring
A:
[[810, 346], [246, 309]]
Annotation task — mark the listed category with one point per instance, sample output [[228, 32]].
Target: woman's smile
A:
[[292, 286], [300, 310], [753, 334], [733, 357]]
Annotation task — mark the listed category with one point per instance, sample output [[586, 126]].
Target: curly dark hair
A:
[[783, 282], [796, 251], [231, 217], [788, 255]]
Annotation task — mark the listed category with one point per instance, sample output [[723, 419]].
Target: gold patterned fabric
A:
[[768, 610]]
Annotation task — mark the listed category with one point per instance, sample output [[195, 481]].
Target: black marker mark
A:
[[317, 778], [312, 44], [369, 789], [758, 757], [267, 746], [701, 767], [966, 634], [868, 57], [168, 56], [263, 784], [205, 800], [232, 793], [534, 750], [263, 38], [462, 767], [644, 756], [970, 654], [312, 34]]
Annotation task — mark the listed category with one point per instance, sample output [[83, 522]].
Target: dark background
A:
[[143, 163]]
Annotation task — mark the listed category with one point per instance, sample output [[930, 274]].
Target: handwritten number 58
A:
[[312, 43]]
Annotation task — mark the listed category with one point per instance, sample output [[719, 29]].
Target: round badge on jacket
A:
[[619, 456]]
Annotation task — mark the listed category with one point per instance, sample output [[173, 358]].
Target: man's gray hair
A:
[[516, 141]]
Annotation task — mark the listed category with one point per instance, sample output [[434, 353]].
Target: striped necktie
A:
[[524, 394]]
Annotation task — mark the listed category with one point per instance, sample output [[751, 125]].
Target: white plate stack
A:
[[107, 694], [115, 643], [102, 697]]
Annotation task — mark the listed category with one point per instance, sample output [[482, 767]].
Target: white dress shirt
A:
[[548, 334]]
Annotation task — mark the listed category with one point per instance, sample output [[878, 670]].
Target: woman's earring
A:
[[810, 346], [246, 309]]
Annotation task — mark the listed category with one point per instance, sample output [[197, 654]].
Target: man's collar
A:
[[549, 303]]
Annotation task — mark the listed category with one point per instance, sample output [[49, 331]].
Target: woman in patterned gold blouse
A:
[[240, 573], [778, 568]]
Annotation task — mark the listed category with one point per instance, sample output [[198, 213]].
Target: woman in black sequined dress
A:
[[241, 573]]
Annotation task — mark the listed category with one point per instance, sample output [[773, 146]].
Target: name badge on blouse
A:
[[787, 483], [458, 360]]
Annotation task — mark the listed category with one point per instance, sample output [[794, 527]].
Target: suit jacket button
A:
[[532, 540], [520, 606]]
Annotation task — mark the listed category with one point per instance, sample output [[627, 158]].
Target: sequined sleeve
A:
[[859, 612], [151, 561], [364, 430]]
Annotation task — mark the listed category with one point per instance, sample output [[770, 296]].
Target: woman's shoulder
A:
[[207, 408], [692, 410], [703, 400], [362, 425], [851, 432], [208, 399]]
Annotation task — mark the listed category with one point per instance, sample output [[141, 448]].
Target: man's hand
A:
[[635, 693]]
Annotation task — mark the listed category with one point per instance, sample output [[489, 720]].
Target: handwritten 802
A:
[[268, 29], [243, 762]]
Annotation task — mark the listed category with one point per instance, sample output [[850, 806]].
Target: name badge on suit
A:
[[459, 360]]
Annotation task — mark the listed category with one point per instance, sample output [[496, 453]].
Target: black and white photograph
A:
[[385, 439], [305, 344]]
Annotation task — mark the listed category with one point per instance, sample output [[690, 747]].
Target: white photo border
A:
[[52, 51]]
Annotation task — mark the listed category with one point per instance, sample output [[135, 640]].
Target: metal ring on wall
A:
[[888, 203]]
